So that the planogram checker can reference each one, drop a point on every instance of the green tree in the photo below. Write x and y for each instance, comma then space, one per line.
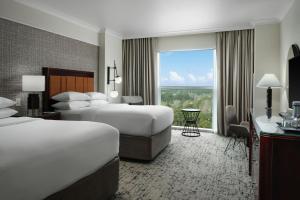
189, 97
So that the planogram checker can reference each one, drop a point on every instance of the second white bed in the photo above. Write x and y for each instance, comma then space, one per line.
129, 119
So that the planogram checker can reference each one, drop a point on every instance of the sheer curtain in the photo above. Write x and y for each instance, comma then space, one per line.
139, 69
235, 68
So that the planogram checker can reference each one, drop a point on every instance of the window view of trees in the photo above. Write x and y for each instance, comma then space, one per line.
186, 81
189, 97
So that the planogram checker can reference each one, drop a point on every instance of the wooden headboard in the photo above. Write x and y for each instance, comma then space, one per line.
64, 80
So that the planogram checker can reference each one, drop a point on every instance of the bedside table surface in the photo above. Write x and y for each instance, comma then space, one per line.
49, 115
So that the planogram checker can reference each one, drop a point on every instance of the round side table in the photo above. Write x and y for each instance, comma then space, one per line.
191, 117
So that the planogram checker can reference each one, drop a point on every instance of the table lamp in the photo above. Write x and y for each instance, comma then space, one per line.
269, 81
33, 84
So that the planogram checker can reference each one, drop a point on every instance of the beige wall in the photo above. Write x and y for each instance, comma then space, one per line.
110, 51
266, 60
290, 34
187, 42
29, 16
101, 71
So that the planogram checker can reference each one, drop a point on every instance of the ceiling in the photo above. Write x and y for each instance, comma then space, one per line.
145, 18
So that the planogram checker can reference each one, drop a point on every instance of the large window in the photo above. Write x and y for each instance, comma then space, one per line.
187, 81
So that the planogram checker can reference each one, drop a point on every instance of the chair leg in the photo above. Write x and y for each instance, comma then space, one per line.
243, 148
245, 145
235, 140
242, 143
226, 149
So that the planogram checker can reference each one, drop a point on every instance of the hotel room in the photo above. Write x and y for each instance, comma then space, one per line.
149, 99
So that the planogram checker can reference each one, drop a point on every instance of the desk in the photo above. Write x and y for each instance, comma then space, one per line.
274, 160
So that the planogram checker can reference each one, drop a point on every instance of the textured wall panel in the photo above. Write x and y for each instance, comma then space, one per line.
24, 50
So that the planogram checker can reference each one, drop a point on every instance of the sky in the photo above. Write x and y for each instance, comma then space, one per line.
187, 68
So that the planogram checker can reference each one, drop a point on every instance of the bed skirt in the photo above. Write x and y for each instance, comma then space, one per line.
102, 184
144, 148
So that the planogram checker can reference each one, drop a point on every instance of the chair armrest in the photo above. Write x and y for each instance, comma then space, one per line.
132, 100
246, 124
238, 130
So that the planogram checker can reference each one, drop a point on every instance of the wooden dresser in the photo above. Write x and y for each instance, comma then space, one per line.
274, 160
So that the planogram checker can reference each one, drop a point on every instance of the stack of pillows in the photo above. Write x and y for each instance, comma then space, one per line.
77, 100
5, 111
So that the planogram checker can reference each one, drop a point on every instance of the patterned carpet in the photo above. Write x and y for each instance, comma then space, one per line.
189, 168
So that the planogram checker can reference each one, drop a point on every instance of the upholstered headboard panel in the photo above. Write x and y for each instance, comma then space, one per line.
63, 80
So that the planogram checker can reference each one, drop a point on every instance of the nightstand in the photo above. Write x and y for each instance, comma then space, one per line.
49, 115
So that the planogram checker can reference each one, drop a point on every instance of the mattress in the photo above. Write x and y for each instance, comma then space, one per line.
40, 157
73, 115
132, 120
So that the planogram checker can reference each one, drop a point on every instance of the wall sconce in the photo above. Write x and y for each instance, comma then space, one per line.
117, 79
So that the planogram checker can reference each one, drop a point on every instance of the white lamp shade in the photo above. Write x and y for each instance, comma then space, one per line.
269, 80
33, 83
118, 79
114, 94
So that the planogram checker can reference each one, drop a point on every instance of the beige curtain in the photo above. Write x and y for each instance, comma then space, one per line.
138, 69
235, 59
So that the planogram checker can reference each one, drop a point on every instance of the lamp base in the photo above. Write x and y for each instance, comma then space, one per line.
269, 103
33, 113
33, 104
33, 101
269, 112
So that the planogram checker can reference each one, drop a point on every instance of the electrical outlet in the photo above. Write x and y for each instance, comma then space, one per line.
18, 101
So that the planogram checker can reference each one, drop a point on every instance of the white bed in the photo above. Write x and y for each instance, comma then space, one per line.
40, 157
129, 119
144, 130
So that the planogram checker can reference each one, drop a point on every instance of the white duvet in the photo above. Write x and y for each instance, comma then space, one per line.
40, 157
129, 119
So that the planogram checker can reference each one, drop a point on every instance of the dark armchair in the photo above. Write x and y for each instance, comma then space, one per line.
237, 131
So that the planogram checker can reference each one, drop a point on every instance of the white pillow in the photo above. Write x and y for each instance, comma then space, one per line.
97, 96
5, 103
71, 105
98, 102
71, 96
7, 112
